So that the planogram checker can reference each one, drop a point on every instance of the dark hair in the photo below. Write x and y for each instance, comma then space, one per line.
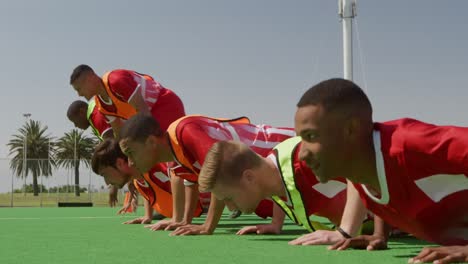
78, 71
75, 107
139, 127
337, 94
106, 154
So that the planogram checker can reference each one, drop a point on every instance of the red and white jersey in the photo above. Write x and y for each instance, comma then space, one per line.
191, 138
157, 175
99, 122
323, 199
196, 134
422, 171
156, 185
204, 197
124, 84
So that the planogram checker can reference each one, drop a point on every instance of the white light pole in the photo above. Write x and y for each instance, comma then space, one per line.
25, 152
347, 11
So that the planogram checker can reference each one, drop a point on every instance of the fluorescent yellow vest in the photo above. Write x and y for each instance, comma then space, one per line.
91, 106
284, 158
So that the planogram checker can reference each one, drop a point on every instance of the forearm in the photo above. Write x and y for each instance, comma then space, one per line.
178, 198
138, 102
116, 124
354, 212
278, 216
214, 214
381, 228
148, 210
191, 201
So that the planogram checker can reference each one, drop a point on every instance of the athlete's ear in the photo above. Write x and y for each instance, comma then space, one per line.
352, 127
83, 111
119, 163
248, 177
152, 141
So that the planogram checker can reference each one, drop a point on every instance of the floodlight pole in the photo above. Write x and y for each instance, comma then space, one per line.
347, 11
25, 153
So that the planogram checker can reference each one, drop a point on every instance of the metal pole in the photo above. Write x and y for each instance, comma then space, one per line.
89, 184
347, 11
25, 150
74, 164
40, 199
25, 153
11, 198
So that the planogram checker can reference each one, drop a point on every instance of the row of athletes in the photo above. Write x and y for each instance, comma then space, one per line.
406, 173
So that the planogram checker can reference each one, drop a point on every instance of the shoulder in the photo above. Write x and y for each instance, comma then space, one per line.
120, 76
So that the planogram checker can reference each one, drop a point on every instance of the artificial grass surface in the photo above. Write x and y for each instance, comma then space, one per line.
96, 235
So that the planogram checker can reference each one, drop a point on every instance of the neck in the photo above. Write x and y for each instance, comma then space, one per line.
135, 175
166, 154
273, 182
101, 90
364, 169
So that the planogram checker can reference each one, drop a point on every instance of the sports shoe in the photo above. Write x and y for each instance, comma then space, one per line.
235, 214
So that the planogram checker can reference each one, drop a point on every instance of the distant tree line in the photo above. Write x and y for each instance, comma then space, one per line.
35, 153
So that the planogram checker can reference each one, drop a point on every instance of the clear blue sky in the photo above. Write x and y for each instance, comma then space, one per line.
230, 58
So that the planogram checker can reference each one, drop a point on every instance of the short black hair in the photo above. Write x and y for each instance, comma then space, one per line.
337, 94
78, 71
75, 107
139, 127
106, 154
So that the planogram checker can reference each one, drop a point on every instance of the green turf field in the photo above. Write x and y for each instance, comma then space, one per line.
96, 235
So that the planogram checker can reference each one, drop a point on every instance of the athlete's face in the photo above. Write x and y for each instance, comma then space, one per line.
80, 120
141, 155
85, 85
244, 195
115, 175
322, 141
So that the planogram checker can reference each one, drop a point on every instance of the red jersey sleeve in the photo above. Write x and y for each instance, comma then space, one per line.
123, 84
196, 144
99, 122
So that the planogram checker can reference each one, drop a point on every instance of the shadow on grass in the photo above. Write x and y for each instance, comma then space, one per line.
270, 238
407, 256
288, 233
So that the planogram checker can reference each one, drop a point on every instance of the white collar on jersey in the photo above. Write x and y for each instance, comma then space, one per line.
272, 157
382, 177
104, 101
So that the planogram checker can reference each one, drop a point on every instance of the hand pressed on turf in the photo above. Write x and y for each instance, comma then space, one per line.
319, 237
442, 255
191, 230
139, 220
124, 209
260, 229
165, 225
361, 242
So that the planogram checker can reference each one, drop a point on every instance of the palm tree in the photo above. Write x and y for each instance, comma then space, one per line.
73, 148
32, 141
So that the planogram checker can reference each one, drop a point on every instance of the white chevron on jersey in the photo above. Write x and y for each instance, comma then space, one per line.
196, 165
439, 186
218, 134
232, 130
149, 90
161, 176
142, 183
269, 130
330, 189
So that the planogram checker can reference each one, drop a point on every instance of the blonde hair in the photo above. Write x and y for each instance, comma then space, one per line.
225, 162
